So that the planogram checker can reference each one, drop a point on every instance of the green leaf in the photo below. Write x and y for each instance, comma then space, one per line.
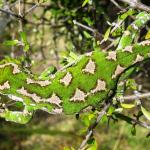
133, 131
23, 37
120, 23
73, 55
145, 112
24, 40
126, 14
92, 144
85, 2
87, 35
11, 42
91, 116
88, 21
46, 73
107, 33
118, 31
41, 1
131, 84
118, 110
88, 118
110, 110
26, 48
147, 35
19, 104
104, 119
127, 106
123, 117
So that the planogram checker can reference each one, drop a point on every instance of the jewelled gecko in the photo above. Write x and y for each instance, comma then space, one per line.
90, 80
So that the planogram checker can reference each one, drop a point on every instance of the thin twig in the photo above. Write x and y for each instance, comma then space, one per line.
29, 21
136, 4
142, 124
116, 4
55, 50
42, 5
11, 5
84, 26
24, 7
42, 41
91, 128
11, 13
19, 8
133, 121
12, 54
109, 46
133, 97
19, 13
90, 29
31, 9
103, 112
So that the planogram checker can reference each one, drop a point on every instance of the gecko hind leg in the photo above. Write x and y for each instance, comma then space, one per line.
121, 88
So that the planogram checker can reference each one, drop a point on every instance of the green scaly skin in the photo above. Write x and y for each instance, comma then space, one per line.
89, 81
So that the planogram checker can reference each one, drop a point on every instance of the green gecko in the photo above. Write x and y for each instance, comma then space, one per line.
89, 81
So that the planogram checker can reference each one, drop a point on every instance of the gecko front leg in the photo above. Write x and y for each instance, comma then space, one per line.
21, 117
122, 84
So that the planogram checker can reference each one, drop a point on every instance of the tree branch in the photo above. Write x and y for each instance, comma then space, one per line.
32, 8
132, 121
92, 127
90, 29
117, 5
11, 13
84, 26
103, 112
136, 4
28, 21
133, 97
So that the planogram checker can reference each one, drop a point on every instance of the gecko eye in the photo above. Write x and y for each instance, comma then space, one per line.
77, 116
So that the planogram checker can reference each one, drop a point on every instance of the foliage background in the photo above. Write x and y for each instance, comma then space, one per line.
52, 35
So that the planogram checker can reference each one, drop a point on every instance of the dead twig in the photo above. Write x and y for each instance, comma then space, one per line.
91, 30
136, 4
92, 127
117, 5
132, 121
31, 9
11, 13
133, 97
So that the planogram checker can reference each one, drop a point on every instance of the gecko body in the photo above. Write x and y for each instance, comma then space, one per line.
91, 79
